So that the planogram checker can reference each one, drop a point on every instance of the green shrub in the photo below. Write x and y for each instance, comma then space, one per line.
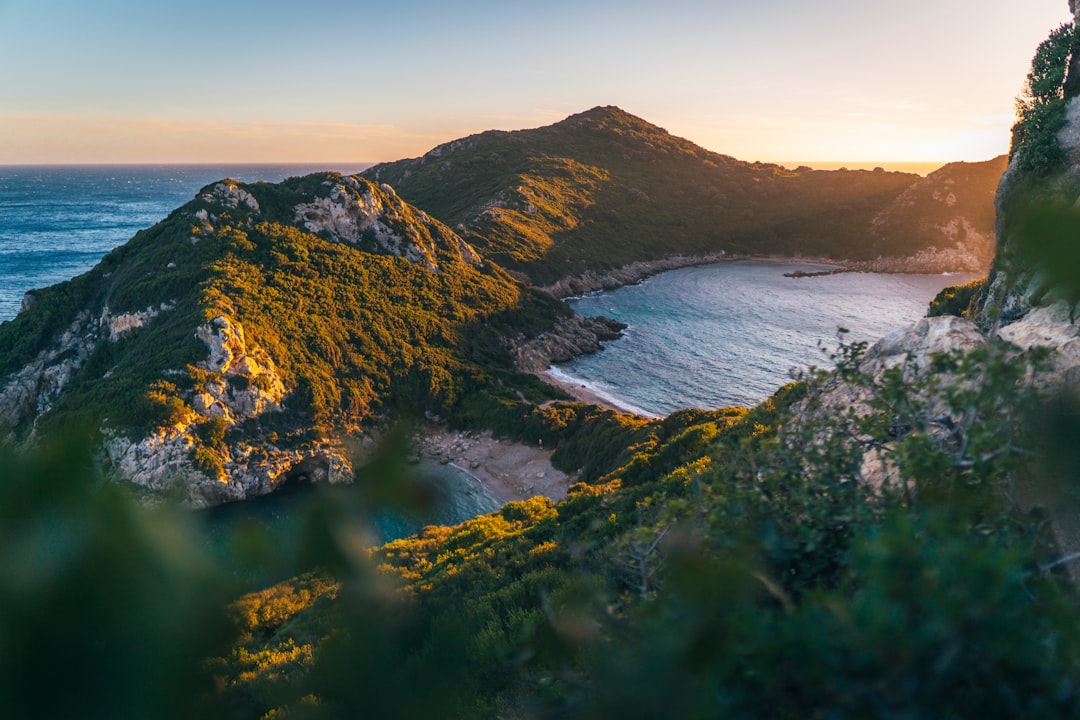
956, 299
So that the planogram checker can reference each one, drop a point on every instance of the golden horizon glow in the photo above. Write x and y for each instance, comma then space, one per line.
931, 81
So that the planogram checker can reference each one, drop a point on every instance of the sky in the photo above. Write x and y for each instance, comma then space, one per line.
126, 81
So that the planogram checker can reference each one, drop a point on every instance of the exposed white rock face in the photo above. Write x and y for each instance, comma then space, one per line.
230, 196
1051, 327
918, 342
161, 463
910, 348
244, 383
119, 325
962, 257
245, 386
32, 390
375, 219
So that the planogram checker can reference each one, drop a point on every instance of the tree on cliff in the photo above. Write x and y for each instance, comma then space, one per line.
1040, 109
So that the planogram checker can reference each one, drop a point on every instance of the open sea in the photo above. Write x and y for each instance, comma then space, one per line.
710, 336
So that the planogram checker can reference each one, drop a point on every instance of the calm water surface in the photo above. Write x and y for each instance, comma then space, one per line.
731, 333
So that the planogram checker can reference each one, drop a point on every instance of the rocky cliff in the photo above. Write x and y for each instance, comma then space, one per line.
1042, 181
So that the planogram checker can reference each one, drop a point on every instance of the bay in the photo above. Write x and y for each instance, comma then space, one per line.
731, 333
708, 336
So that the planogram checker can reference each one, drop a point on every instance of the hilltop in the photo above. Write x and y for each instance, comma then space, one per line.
603, 189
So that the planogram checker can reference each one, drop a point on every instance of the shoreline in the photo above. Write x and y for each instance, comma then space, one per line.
585, 394
574, 286
509, 471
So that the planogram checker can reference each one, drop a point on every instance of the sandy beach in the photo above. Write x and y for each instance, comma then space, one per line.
584, 394
509, 471
577, 391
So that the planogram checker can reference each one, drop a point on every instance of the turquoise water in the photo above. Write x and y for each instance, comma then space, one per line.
453, 496
732, 333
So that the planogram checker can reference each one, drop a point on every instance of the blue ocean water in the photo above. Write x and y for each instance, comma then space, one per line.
731, 333
56, 222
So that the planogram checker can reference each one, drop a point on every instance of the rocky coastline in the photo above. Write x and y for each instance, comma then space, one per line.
590, 281
572, 337
926, 262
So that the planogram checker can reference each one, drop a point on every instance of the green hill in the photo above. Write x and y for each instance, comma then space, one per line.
604, 188
237, 341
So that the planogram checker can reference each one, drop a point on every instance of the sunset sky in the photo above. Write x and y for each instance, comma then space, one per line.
269, 81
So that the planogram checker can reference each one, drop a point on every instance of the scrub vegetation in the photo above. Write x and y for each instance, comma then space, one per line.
1040, 109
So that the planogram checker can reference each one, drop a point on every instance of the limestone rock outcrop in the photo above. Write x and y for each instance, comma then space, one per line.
241, 383
374, 218
31, 390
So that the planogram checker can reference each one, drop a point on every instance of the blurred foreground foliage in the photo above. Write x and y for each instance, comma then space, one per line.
728, 563
106, 607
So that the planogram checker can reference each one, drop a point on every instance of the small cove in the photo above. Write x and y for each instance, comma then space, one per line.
278, 518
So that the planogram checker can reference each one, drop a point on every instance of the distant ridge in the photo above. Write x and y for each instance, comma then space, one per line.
918, 168
604, 188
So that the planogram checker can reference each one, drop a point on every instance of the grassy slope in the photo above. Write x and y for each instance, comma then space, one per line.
604, 188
